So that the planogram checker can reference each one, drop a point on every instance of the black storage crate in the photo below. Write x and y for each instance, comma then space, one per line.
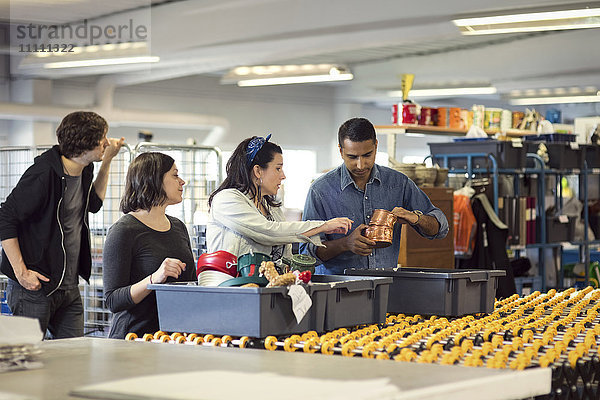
592, 155
354, 300
508, 154
561, 155
441, 292
236, 311
551, 137
558, 229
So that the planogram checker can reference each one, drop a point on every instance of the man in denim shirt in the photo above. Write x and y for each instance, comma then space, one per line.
354, 190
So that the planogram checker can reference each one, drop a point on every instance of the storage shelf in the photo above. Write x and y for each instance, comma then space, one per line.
555, 244
538, 171
534, 246
442, 131
528, 171
589, 242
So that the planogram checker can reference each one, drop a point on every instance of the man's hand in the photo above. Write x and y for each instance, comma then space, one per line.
30, 279
404, 216
427, 224
359, 244
114, 146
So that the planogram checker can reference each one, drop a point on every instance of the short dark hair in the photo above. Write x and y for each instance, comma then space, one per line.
80, 131
239, 173
357, 130
144, 182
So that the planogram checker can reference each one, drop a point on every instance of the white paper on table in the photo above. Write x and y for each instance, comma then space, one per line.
301, 301
226, 385
19, 331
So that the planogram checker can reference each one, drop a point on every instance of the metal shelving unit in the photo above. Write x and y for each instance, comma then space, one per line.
540, 171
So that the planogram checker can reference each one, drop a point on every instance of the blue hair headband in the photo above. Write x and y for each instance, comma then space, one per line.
254, 146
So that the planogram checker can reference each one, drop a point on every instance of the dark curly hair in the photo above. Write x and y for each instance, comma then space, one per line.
79, 132
144, 182
239, 173
357, 130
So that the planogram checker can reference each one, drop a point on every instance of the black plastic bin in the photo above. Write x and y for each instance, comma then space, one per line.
558, 229
508, 154
236, 311
354, 300
561, 155
441, 292
551, 137
592, 155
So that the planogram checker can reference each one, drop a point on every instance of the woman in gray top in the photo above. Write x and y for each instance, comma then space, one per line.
145, 245
245, 215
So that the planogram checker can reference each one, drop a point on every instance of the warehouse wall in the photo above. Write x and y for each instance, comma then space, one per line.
303, 117
299, 117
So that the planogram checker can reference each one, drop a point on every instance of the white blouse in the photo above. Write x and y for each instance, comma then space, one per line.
237, 226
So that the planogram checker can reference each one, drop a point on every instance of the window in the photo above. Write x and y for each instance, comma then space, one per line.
300, 167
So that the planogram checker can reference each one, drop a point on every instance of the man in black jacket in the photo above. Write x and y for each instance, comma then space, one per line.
44, 225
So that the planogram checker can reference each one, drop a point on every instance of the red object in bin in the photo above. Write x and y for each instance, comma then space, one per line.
304, 276
221, 261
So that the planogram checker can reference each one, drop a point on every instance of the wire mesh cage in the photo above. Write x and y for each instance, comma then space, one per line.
199, 166
4, 309
96, 316
14, 161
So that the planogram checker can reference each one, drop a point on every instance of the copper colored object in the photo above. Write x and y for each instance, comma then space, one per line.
382, 235
383, 218
381, 228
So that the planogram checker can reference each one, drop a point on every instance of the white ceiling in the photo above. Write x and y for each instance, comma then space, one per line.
378, 39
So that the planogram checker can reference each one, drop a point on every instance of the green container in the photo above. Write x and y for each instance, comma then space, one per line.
249, 263
243, 280
301, 262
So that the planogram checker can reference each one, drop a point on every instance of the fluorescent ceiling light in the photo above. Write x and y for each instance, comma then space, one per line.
530, 22
100, 62
263, 75
555, 100
445, 92
89, 56
295, 79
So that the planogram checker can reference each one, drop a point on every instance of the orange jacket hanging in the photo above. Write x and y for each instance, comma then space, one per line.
465, 225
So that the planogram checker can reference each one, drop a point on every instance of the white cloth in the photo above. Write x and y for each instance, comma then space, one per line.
237, 226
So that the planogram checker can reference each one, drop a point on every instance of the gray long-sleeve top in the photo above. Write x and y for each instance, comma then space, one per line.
133, 251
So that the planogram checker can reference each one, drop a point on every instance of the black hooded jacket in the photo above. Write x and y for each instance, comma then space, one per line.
31, 213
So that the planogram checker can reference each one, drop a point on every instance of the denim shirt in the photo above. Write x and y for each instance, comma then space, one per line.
335, 194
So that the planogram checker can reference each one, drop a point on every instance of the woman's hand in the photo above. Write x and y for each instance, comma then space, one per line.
337, 225
170, 267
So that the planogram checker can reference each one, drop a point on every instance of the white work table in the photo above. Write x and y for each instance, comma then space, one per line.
72, 363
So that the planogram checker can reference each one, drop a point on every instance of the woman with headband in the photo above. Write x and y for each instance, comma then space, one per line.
244, 214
